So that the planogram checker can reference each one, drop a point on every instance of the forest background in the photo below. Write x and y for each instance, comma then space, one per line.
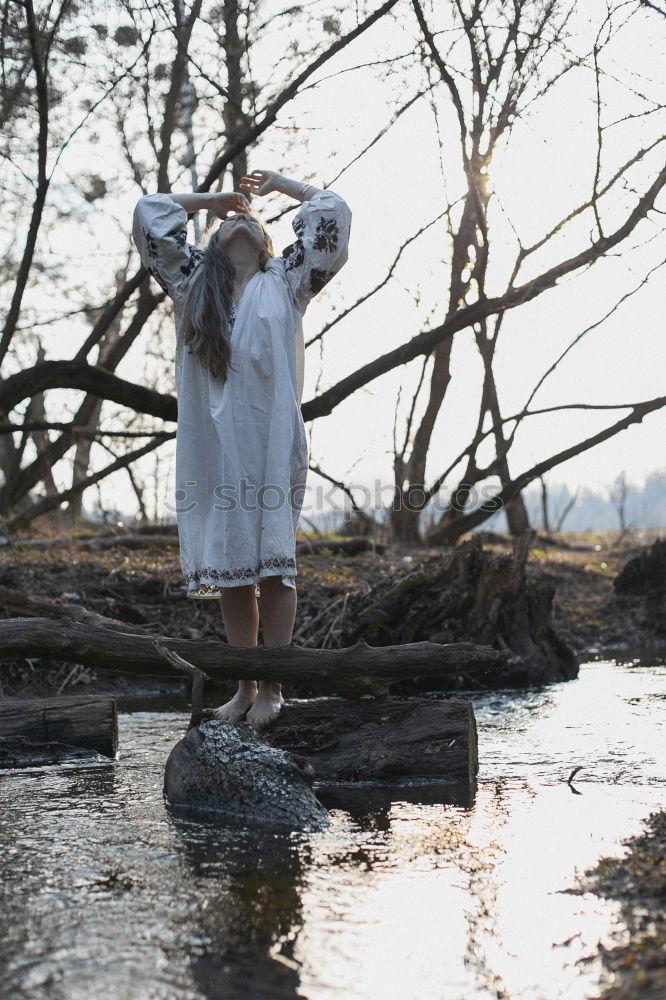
498, 329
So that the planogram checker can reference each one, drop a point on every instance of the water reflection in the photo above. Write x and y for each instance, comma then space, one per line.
424, 893
370, 805
249, 913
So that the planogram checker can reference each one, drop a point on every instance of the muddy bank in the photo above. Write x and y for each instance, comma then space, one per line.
145, 587
638, 880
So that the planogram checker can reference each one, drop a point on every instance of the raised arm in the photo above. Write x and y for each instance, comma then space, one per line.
217, 202
322, 227
160, 231
261, 182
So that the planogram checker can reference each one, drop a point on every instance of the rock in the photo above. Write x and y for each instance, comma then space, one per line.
227, 772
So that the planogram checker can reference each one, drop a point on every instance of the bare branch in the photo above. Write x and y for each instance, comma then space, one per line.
41, 507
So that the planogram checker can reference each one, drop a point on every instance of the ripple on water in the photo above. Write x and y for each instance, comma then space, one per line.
459, 895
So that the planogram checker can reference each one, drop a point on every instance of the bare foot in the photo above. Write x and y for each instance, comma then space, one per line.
235, 710
267, 705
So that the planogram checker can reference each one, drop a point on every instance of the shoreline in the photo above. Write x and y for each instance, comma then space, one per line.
144, 587
638, 882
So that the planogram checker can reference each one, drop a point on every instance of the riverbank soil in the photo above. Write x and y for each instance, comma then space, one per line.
143, 586
638, 881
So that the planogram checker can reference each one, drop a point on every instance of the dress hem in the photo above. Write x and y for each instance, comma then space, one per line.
210, 591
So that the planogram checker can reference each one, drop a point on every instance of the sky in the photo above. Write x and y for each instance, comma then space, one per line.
403, 183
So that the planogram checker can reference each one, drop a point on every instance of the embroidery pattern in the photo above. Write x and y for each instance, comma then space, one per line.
326, 235
298, 226
196, 256
206, 590
158, 278
179, 237
319, 278
151, 244
294, 255
240, 573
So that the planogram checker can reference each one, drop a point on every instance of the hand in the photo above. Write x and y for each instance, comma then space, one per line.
232, 201
260, 182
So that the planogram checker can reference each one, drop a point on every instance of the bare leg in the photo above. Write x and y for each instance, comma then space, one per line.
240, 614
277, 607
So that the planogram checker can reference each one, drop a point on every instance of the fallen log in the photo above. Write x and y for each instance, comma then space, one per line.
169, 538
345, 546
96, 543
387, 739
128, 542
88, 722
360, 669
228, 772
51, 607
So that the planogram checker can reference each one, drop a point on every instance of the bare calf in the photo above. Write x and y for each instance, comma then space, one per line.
242, 612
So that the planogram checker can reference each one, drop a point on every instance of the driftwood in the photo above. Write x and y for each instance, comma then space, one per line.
385, 739
199, 679
473, 594
357, 670
87, 722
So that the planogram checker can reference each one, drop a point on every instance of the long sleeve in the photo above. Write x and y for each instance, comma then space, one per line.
322, 226
159, 231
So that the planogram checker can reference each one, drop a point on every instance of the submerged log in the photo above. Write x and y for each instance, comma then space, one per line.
226, 772
385, 739
359, 669
89, 722
16, 752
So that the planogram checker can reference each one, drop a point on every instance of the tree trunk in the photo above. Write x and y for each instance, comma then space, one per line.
89, 722
236, 121
473, 594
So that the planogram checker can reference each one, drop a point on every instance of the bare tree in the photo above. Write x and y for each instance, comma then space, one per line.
509, 65
166, 94
618, 495
172, 73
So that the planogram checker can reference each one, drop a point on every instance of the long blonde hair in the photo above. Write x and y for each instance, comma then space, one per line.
209, 300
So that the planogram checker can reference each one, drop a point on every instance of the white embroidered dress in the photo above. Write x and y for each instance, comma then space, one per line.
241, 448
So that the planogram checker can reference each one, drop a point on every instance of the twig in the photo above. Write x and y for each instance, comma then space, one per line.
198, 679
316, 618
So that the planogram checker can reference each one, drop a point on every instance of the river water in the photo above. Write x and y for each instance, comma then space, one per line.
460, 896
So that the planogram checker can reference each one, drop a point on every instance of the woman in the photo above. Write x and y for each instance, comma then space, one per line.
241, 449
